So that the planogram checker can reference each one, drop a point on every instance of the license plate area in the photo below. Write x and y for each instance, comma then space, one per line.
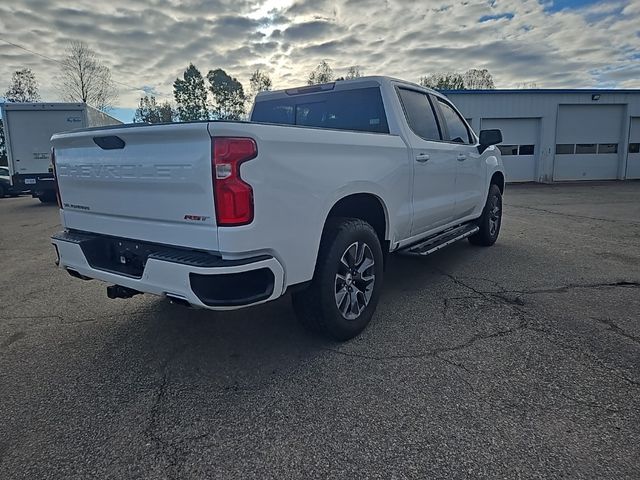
125, 257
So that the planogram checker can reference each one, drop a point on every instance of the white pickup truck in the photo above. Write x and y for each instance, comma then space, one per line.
310, 196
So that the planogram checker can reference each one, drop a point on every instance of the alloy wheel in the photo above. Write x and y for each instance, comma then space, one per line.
495, 216
355, 280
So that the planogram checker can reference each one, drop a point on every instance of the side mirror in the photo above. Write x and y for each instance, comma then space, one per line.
488, 138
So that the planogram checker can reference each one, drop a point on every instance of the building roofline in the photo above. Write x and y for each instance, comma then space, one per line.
546, 90
41, 105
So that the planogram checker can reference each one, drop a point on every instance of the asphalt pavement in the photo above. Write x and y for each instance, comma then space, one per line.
516, 361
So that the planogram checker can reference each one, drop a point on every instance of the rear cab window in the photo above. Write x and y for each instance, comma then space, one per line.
456, 127
419, 114
359, 109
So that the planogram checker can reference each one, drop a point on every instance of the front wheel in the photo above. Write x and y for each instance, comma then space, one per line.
345, 289
491, 219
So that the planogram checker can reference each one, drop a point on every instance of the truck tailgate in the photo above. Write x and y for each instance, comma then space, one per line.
149, 182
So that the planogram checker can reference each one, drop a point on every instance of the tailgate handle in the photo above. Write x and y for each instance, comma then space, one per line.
111, 142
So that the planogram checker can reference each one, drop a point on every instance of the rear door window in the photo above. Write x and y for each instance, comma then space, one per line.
458, 131
358, 109
419, 114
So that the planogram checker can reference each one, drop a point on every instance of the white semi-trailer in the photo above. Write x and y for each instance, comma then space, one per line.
28, 129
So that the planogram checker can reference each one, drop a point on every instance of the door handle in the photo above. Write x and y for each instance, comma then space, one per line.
461, 157
422, 157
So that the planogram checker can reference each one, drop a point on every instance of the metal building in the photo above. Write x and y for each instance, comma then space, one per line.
560, 135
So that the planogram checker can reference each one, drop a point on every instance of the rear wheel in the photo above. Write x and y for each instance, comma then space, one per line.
345, 289
491, 219
3, 191
47, 197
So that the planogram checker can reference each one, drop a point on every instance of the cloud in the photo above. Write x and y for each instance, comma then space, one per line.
148, 43
309, 30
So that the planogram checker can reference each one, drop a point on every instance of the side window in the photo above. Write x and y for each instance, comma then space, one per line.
458, 131
419, 114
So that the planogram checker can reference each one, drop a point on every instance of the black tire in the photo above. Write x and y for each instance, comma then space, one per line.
317, 306
48, 197
3, 191
490, 220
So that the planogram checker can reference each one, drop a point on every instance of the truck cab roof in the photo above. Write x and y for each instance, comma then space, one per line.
338, 85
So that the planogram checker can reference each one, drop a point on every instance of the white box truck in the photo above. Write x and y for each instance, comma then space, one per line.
28, 128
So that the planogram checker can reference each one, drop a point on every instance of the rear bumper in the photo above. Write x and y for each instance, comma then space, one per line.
203, 280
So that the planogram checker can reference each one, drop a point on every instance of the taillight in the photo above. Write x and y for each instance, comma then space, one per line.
55, 178
233, 196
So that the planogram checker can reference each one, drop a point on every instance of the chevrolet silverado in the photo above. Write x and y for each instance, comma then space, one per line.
309, 196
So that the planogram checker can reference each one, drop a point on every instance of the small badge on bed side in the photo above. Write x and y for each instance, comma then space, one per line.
195, 218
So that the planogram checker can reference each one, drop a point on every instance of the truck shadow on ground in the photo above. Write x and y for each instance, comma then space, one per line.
26, 203
185, 373
242, 347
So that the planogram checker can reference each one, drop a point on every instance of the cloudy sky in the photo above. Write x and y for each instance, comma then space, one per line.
148, 43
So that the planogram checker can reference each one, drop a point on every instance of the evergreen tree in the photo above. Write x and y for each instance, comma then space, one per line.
228, 95
149, 111
191, 95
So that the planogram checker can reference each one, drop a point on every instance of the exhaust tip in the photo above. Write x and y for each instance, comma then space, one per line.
75, 274
179, 301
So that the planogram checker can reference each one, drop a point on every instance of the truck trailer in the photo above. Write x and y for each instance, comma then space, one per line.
28, 128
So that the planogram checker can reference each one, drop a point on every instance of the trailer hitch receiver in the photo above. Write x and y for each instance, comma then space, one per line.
118, 291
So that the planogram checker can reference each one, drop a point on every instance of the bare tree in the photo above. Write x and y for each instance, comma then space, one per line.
353, 72
475, 79
258, 82
84, 78
23, 87
443, 81
527, 85
323, 73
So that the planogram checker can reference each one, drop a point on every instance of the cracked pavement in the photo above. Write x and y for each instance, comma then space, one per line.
517, 361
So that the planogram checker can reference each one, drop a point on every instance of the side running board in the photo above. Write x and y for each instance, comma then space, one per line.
441, 240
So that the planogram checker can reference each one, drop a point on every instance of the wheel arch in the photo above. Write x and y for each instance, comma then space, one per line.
365, 206
498, 179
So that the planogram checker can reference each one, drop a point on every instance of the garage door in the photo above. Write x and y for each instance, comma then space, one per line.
633, 160
588, 142
520, 140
